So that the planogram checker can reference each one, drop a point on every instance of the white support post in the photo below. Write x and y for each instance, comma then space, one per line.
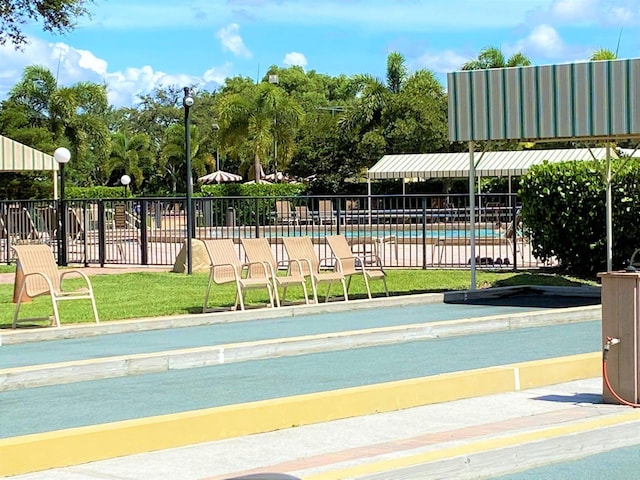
472, 213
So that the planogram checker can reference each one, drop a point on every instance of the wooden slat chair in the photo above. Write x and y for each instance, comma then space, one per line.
258, 250
350, 264
305, 260
226, 267
41, 276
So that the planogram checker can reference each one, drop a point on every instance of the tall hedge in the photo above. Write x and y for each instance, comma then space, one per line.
563, 213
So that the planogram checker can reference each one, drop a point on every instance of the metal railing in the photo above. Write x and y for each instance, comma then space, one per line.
407, 231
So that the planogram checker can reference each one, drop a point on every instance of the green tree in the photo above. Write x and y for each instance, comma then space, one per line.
407, 114
172, 156
73, 116
56, 16
492, 57
256, 120
130, 154
603, 54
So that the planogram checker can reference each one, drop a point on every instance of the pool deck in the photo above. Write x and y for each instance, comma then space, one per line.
485, 435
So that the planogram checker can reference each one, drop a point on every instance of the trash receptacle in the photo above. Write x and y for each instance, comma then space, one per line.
231, 217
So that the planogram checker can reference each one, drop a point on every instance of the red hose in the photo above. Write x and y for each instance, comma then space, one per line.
610, 388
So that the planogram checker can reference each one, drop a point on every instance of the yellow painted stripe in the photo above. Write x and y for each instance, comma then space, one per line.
74, 446
478, 447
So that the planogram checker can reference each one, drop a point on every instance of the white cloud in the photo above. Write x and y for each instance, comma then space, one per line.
574, 10
544, 41
295, 58
71, 65
232, 41
441, 62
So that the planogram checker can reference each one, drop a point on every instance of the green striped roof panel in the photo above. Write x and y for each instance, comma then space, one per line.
575, 100
15, 156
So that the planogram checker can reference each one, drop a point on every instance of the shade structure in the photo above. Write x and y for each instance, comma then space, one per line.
262, 180
279, 177
220, 177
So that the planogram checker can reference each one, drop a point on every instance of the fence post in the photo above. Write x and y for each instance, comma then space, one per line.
143, 233
257, 214
102, 234
424, 233
514, 233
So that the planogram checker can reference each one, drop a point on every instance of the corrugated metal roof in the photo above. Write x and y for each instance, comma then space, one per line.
573, 100
15, 156
491, 164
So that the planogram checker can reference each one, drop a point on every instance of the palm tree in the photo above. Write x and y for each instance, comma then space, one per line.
602, 54
256, 120
130, 154
492, 57
74, 115
172, 155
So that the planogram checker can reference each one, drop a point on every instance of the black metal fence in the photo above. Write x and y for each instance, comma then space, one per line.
408, 231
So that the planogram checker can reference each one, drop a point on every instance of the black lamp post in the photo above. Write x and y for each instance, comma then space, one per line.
187, 103
62, 156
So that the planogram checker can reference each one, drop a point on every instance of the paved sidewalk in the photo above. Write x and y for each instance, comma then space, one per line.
473, 438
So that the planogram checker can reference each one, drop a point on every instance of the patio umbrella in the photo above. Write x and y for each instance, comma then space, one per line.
220, 177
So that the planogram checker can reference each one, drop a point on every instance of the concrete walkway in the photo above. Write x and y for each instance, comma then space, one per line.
479, 437
466, 439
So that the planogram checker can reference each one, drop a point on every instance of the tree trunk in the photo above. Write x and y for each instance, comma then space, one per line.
257, 168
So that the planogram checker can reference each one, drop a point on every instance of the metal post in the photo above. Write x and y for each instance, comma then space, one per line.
472, 213
62, 217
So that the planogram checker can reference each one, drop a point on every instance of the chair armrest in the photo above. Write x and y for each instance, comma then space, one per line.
47, 279
64, 273
236, 274
267, 272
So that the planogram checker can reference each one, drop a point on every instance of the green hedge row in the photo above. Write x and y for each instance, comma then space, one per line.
563, 213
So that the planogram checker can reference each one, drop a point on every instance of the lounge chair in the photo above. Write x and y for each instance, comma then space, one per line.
350, 264
41, 276
226, 267
305, 261
20, 226
325, 212
285, 215
258, 250
303, 215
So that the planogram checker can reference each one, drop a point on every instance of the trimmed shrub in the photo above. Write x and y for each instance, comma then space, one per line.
563, 211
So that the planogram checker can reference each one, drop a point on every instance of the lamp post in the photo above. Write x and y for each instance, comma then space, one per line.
216, 128
62, 156
125, 180
187, 103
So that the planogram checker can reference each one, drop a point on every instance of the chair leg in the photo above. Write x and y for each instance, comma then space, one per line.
344, 289
56, 315
206, 295
386, 290
18, 303
306, 294
366, 284
328, 292
240, 292
95, 309
270, 288
314, 288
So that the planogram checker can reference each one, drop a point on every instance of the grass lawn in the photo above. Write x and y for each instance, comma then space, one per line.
153, 294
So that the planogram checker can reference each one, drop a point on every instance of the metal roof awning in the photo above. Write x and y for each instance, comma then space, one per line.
16, 157
456, 165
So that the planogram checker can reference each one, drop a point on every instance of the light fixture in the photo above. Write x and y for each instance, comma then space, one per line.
125, 180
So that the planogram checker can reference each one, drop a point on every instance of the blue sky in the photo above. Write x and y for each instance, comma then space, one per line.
136, 45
